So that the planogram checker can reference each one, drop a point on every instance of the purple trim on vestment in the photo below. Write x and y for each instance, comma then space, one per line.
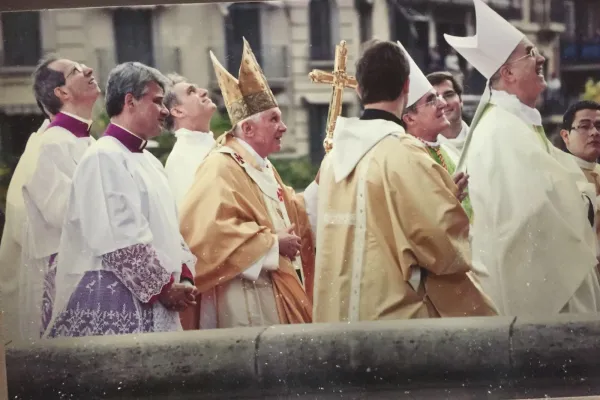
78, 128
131, 142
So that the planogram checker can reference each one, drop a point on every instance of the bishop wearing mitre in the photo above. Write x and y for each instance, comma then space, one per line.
250, 232
393, 236
532, 203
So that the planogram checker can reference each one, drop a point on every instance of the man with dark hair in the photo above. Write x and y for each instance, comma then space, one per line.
121, 234
392, 235
66, 92
191, 110
451, 90
580, 132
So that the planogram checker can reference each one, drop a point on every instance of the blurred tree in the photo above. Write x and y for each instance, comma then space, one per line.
591, 91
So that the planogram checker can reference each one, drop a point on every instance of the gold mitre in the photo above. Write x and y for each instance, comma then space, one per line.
248, 95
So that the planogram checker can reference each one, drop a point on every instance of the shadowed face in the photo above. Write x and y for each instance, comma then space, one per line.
583, 139
80, 84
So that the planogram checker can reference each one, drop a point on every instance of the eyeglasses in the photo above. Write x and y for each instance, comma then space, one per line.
587, 127
76, 68
432, 103
533, 53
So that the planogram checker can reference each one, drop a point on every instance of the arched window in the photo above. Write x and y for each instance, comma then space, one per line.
323, 21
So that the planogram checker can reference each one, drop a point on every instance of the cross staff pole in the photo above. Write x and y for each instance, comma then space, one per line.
339, 80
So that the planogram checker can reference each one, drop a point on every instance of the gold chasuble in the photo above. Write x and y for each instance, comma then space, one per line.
393, 238
230, 218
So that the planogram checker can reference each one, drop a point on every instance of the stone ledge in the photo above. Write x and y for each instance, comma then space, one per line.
471, 358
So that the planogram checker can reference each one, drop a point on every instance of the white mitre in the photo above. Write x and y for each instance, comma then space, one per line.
418, 84
493, 43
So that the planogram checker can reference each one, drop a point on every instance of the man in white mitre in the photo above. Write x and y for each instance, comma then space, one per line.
67, 91
191, 110
250, 233
531, 201
122, 263
451, 90
393, 237
580, 132
424, 118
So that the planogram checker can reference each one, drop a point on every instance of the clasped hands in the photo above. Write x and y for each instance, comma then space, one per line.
179, 296
289, 243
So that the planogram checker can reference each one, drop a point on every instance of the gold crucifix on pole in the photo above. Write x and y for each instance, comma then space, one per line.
339, 80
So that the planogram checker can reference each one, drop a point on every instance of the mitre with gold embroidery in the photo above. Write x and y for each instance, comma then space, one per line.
250, 93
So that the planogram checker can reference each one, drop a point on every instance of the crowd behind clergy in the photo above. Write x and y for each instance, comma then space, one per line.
413, 213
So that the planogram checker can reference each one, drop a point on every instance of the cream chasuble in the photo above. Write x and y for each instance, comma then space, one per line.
229, 219
531, 229
393, 238
12, 235
188, 152
591, 170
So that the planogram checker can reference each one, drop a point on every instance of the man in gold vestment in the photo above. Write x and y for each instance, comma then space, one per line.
392, 235
250, 233
581, 135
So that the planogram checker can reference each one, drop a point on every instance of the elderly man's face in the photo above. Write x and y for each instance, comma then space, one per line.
527, 66
149, 112
265, 134
429, 118
80, 84
583, 139
194, 102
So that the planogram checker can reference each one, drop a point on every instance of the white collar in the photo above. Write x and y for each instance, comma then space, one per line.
262, 162
511, 103
585, 164
184, 132
85, 121
128, 131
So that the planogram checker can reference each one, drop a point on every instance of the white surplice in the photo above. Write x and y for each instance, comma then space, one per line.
12, 235
118, 199
187, 154
531, 227
455, 146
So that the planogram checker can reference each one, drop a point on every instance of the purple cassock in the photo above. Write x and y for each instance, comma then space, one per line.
119, 293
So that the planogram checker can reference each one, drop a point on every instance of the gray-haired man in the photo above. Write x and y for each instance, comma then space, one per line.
122, 261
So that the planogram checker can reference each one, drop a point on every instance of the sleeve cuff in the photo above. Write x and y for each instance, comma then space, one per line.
271, 261
186, 274
163, 291
253, 272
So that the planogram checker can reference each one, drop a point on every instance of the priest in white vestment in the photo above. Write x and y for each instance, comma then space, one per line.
122, 264
580, 132
67, 91
191, 110
531, 201
250, 232
392, 235
451, 90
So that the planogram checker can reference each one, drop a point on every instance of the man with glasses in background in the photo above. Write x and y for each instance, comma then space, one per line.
453, 137
531, 201
581, 135
66, 91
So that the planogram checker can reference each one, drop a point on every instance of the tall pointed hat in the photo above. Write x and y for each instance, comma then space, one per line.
418, 84
250, 93
494, 41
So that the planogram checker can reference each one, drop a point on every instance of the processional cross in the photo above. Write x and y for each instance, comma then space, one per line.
339, 80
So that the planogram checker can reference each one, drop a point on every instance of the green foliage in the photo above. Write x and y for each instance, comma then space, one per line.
297, 173
591, 91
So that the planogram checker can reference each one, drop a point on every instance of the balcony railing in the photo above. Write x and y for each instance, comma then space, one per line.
274, 61
577, 52
167, 60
